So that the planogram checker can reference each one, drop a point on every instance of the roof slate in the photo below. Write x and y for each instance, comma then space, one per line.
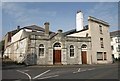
115, 33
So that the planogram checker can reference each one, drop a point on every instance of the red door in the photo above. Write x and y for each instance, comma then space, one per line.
84, 57
57, 57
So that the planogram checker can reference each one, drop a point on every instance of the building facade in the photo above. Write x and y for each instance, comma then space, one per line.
115, 43
88, 44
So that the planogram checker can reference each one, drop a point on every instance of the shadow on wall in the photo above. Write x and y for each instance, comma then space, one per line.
31, 59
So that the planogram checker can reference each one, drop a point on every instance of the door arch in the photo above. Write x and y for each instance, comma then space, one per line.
57, 53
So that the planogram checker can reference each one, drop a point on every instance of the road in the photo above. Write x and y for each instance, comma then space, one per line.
36, 73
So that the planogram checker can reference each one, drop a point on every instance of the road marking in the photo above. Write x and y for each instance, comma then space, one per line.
25, 74
48, 77
25, 70
79, 69
41, 74
91, 69
76, 72
83, 70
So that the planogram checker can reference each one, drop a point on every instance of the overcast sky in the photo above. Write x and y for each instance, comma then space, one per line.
60, 15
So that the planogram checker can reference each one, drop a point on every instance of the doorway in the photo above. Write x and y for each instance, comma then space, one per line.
84, 57
57, 53
84, 54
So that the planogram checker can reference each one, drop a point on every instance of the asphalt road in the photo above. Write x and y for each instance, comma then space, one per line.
34, 73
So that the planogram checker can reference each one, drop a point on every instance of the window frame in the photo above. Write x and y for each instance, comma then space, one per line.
101, 43
100, 59
112, 47
41, 50
72, 51
105, 56
100, 29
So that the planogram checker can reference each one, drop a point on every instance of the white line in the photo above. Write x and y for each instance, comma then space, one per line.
41, 74
83, 70
25, 74
79, 70
26, 70
48, 77
76, 72
91, 69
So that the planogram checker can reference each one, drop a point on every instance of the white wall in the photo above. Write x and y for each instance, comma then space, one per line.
80, 34
17, 36
79, 21
115, 45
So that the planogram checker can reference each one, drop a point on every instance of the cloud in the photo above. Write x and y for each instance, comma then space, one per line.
24, 15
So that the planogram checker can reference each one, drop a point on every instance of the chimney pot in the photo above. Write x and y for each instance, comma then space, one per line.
18, 27
79, 11
46, 23
60, 31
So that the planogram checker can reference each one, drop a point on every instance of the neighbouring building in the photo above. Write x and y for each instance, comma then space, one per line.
88, 44
115, 43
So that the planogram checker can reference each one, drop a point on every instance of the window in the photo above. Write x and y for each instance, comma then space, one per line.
118, 48
105, 56
71, 51
100, 28
101, 42
99, 56
57, 45
84, 46
117, 40
41, 50
112, 47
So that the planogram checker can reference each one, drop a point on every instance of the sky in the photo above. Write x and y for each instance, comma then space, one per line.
61, 15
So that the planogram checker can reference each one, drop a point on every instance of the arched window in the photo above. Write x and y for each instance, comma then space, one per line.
84, 46
71, 51
41, 50
57, 45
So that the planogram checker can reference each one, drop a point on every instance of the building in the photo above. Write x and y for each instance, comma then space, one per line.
115, 43
88, 44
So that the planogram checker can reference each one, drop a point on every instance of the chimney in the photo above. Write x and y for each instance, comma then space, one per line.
18, 27
47, 28
79, 21
59, 31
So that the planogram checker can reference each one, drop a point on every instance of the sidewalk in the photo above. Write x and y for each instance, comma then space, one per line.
73, 65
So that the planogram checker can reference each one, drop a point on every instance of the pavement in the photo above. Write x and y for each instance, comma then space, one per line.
40, 72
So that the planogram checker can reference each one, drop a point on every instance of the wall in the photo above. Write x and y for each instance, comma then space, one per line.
115, 45
80, 34
17, 36
95, 40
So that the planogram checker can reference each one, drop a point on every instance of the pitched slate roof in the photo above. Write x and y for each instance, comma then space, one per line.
115, 33
37, 28
34, 27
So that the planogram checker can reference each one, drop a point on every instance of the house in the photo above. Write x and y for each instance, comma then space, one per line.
88, 44
115, 43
